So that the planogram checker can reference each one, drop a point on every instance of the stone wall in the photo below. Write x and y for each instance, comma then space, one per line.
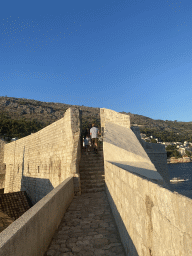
158, 157
108, 115
156, 153
32, 233
41, 161
151, 219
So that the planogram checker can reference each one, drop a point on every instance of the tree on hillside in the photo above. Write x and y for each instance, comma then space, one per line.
170, 147
188, 153
175, 154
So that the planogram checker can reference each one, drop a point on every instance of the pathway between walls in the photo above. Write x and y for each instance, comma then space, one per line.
88, 226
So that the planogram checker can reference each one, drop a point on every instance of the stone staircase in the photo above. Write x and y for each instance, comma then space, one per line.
92, 171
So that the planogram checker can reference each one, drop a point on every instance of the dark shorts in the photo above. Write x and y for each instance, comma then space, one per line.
94, 140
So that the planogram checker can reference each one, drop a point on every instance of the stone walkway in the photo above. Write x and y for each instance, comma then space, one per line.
88, 228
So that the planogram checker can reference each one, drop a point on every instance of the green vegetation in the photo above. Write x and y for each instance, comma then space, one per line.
170, 147
188, 153
18, 128
173, 153
20, 117
165, 136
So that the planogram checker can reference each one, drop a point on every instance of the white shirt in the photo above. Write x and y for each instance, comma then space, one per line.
94, 132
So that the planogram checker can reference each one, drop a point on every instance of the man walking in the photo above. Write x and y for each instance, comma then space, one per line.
94, 132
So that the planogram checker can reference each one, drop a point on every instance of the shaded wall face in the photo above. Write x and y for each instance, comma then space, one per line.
41, 161
158, 157
160, 162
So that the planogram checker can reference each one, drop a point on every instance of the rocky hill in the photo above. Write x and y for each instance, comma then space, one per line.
19, 117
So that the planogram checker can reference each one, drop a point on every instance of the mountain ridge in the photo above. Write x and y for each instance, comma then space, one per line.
44, 113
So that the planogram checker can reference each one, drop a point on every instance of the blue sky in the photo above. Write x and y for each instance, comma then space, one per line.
126, 55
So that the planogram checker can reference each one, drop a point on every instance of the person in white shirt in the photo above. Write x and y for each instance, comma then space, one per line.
94, 132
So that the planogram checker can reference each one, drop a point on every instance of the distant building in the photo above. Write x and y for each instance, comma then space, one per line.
182, 151
167, 143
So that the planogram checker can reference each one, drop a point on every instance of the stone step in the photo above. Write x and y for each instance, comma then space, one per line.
91, 168
91, 164
90, 186
88, 176
92, 172
91, 151
96, 164
93, 190
91, 158
86, 183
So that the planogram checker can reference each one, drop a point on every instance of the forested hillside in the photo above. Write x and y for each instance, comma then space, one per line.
21, 117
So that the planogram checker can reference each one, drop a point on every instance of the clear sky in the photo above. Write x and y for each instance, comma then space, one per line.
126, 55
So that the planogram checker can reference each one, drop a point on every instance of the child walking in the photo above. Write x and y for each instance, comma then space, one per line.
87, 142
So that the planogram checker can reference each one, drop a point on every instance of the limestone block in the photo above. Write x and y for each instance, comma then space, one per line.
156, 246
130, 180
165, 235
118, 182
136, 200
164, 202
182, 211
187, 240
124, 189
188, 213
178, 242
152, 187
142, 187
156, 220
134, 180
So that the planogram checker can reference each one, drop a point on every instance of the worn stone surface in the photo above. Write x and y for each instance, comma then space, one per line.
88, 228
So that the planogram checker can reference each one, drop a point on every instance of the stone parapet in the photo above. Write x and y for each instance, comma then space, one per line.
151, 219
32, 233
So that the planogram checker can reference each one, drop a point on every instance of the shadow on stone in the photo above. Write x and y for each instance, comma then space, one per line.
36, 188
126, 240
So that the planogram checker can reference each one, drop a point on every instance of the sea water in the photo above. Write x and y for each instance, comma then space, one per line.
183, 171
